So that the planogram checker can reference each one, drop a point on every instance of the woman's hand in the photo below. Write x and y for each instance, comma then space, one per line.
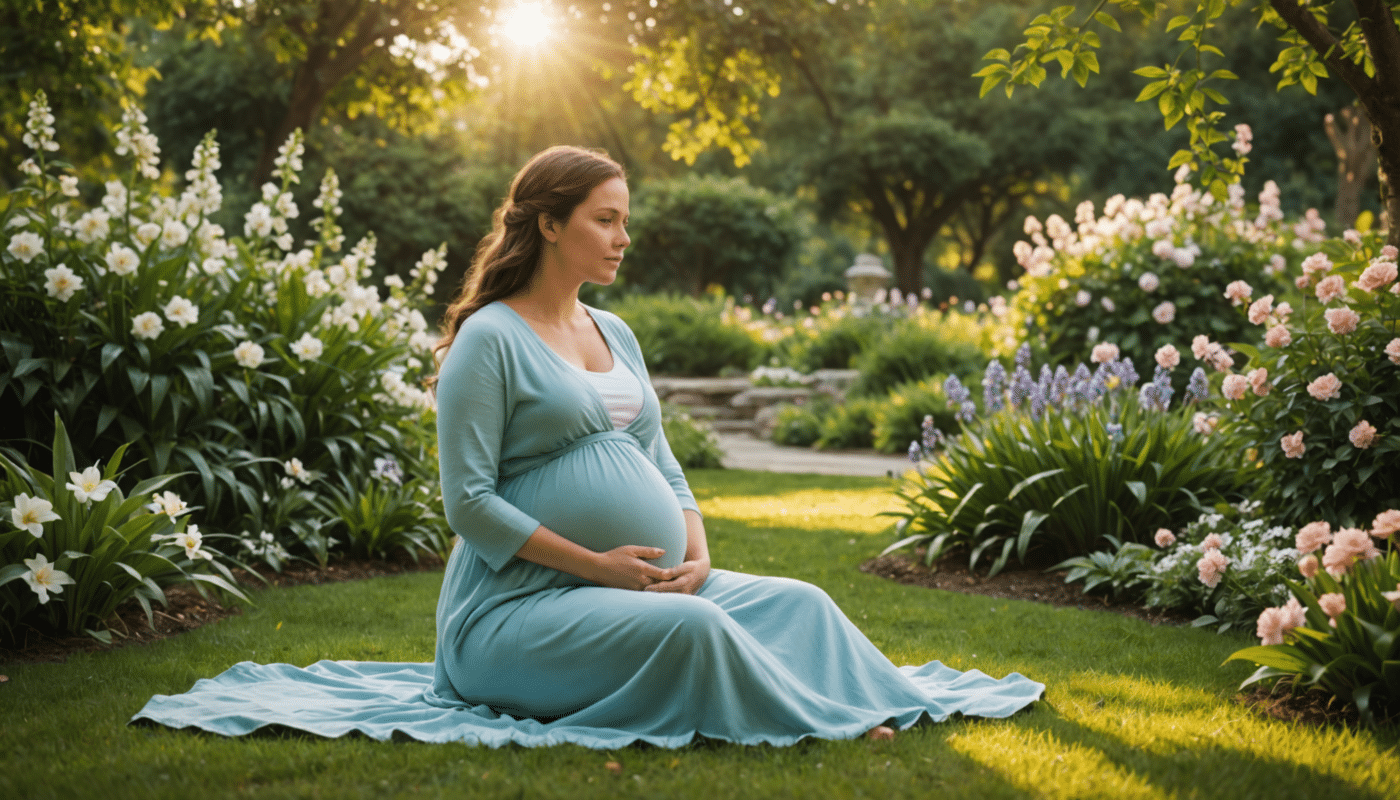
626, 568
687, 578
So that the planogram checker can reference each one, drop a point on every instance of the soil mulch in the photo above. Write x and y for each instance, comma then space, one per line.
187, 609
950, 573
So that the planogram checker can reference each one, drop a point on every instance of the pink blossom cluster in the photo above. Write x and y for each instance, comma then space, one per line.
1164, 312
1309, 230
1363, 435
1380, 272
1392, 350
1211, 567
1274, 623
1333, 604
1164, 538
1211, 353
1326, 387
1104, 353
1341, 321
1278, 336
1238, 292
1167, 356
1344, 548
1292, 444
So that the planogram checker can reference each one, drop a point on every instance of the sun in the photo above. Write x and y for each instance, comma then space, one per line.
526, 24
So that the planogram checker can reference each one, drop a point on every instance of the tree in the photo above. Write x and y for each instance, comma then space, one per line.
1359, 42
696, 232
866, 102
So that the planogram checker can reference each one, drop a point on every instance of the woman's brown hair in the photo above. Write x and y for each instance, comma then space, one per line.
552, 183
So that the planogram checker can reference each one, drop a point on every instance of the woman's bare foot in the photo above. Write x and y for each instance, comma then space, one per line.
880, 732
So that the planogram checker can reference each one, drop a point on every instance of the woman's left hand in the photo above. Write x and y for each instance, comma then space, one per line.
689, 576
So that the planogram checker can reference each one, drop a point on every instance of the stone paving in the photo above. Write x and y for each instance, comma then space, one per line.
742, 451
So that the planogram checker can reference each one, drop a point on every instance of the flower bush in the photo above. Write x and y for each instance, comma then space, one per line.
1147, 274
1340, 630
81, 547
692, 441
1319, 400
218, 357
1054, 465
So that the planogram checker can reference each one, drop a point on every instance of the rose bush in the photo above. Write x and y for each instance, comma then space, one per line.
1146, 274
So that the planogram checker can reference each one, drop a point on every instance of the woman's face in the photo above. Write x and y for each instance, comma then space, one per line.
591, 242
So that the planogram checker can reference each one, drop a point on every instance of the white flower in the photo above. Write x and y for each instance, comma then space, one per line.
30, 514
174, 234
182, 311
294, 469
26, 245
1082, 298
92, 226
1164, 312
122, 260
258, 220
167, 503
248, 354
146, 233
68, 185
146, 325
212, 266
88, 485
43, 578
308, 347
61, 283
1148, 282
1108, 304
190, 539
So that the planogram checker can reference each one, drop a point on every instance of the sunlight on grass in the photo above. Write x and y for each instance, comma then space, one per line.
852, 511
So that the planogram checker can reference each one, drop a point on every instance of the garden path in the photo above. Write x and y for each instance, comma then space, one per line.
743, 451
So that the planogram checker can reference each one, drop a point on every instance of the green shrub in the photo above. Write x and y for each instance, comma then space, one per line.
84, 547
384, 513
849, 425
219, 358
692, 442
800, 426
835, 340
900, 418
1065, 464
687, 336
920, 346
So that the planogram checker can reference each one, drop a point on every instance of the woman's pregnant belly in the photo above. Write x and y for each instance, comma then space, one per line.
602, 496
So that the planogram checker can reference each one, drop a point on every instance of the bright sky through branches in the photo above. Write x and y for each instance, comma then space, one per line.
526, 24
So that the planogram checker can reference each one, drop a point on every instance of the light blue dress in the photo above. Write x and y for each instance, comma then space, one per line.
532, 656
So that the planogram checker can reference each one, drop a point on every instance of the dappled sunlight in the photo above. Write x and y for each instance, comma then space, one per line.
1044, 764
852, 511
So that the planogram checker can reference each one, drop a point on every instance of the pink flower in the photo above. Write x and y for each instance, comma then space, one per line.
1317, 262
1234, 387
1104, 353
1270, 626
1282, 311
1200, 346
1375, 276
1332, 604
1260, 309
1212, 542
1391, 252
1393, 597
1167, 356
1312, 536
1292, 444
1238, 292
1301, 281
1211, 567
1164, 312
1386, 523
1278, 336
1330, 288
1341, 321
1307, 565
1392, 350
1165, 538
1205, 424
1294, 614
1348, 546
1259, 381
1362, 435
1327, 387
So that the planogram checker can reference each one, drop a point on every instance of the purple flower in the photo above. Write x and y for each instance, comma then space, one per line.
955, 391
1023, 356
916, 453
993, 386
1021, 385
1126, 372
1059, 385
1198, 388
967, 412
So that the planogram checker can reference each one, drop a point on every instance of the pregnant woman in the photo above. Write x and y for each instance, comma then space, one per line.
579, 604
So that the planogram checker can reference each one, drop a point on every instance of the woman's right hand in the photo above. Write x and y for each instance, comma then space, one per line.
626, 568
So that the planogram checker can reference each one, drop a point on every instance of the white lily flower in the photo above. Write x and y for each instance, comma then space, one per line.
308, 347
167, 503
30, 514
248, 354
26, 245
43, 578
294, 469
122, 260
146, 233
88, 485
182, 311
191, 539
147, 325
62, 283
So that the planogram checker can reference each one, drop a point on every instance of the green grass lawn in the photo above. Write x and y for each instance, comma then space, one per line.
1131, 710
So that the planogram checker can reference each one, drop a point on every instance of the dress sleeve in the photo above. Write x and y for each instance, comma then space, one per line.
657, 447
473, 402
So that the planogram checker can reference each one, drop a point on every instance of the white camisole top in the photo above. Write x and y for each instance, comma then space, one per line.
621, 392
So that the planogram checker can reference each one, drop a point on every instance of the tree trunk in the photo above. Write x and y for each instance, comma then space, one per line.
1356, 159
308, 95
